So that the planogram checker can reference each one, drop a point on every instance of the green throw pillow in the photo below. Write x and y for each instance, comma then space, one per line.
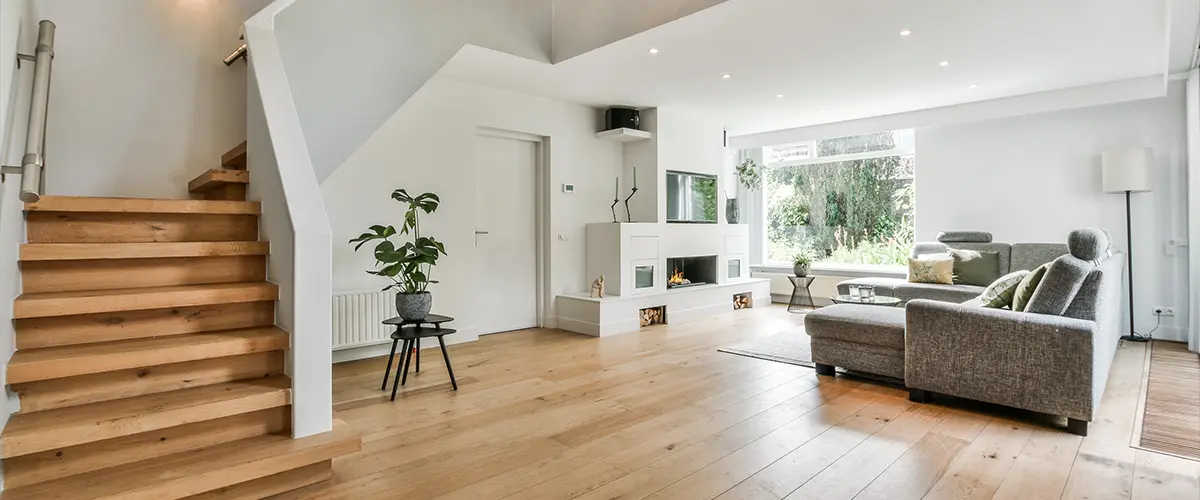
1001, 292
1025, 289
975, 268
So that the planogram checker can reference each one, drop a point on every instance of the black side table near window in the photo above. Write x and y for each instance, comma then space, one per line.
410, 332
799, 283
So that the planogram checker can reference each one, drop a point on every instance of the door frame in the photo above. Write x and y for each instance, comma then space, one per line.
541, 210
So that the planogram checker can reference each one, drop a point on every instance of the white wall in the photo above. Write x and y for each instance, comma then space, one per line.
584, 25
139, 100
18, 32
427, 146
351, 65
1035, 178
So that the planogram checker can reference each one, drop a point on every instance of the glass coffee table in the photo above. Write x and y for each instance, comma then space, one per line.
878, 300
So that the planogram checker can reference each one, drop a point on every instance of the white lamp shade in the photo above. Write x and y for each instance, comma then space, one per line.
1127, 170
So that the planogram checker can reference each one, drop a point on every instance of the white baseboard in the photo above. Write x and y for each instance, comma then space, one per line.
382, 349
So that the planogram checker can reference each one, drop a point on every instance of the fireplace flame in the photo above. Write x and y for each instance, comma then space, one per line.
677, 278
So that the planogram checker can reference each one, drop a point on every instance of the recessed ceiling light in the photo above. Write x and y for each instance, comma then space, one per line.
726, 76
944, 64
972, 86
905, 32
779, 96
653, 51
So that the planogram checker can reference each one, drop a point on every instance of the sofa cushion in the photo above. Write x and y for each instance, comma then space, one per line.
943, 293
883, 286
964, 237
1088, 244
861, 324
934, 270
1030, 255
1063, 280
972, 267
1027, 286
1001, 292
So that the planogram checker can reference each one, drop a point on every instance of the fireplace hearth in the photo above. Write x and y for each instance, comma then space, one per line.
686, 272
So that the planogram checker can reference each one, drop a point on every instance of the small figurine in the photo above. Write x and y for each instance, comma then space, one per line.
598, 288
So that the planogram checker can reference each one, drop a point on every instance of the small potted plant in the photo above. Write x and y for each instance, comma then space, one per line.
408, 266
801, 264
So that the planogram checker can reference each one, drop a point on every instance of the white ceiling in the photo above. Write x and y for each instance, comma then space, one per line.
841, 60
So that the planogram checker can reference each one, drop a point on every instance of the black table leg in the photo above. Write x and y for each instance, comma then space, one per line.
388, 371
453, 383
396, 381
417, 343
408, 360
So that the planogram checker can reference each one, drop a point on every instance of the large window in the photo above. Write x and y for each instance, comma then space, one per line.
845, 200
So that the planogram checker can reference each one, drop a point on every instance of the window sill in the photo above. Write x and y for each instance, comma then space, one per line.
844, 270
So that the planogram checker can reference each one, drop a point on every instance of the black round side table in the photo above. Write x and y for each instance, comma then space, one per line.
796, 303
410, 332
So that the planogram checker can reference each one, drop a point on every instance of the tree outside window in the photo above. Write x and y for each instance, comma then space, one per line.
849, 203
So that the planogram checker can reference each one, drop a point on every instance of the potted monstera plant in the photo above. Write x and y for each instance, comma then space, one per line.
408, 265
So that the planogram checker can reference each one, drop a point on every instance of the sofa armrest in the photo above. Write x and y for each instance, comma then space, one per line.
1033, 361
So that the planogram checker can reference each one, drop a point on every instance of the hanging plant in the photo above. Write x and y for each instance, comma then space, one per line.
749, 175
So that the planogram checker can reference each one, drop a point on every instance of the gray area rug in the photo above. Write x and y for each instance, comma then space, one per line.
789, 347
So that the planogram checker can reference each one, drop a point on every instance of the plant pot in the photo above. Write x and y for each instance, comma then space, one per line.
801, 270
413, 306
732, 211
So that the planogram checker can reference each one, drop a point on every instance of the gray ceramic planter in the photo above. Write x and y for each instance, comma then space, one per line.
413, 306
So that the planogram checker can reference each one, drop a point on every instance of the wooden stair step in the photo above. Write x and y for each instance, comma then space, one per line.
33, 252
76, 425
216, 178
235, 158
32, 365
53, 331
51, 465
143, 205
196, 472
37, 305
86, 389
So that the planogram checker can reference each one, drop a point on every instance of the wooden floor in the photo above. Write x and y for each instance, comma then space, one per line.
658, 414
1172, 412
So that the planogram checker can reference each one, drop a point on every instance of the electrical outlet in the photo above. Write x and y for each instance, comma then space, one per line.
1164, 311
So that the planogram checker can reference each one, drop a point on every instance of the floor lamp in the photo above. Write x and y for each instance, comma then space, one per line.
1128, 171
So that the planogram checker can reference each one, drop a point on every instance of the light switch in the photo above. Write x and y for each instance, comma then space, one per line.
564, 237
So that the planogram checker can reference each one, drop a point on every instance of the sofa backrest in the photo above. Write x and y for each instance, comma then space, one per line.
1028, 256
1013, 257
1004, 249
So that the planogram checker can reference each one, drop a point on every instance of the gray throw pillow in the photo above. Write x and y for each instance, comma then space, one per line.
975, 268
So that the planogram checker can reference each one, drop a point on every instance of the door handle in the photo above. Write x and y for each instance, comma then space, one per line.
482, 232
477, 233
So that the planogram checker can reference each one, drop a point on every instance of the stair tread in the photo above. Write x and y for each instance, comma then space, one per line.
45, 304
46, 430
142, 205
31, 252
218, 177
28, 365
198, 471
236, 157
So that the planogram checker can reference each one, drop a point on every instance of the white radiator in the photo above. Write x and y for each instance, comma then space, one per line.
358, 316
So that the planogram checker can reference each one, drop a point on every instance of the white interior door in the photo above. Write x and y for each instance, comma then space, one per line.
505, 234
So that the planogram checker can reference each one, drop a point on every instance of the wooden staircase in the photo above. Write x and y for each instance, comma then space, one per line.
148, 363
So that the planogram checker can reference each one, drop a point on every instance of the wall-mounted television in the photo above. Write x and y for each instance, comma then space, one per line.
691, 197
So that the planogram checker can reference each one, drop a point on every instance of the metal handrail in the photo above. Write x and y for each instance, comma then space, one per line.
32, 182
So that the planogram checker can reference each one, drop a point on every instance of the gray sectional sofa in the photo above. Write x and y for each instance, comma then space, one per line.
1053, 359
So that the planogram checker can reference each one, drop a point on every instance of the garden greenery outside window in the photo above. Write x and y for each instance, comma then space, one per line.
844, 200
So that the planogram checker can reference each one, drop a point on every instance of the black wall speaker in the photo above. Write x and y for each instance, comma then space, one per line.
615, 118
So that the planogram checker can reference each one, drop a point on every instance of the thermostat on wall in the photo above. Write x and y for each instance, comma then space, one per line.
568, 188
